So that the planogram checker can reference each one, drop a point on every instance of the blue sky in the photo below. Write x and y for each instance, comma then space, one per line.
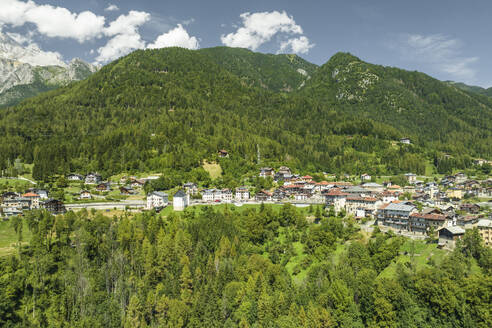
447, 39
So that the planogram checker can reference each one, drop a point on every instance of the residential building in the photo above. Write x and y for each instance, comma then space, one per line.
335, 197
157, 199
406, 141
454, 193
222, 153
92, 178
361, 206
396, 215
365, 177
104, 186
227, 195
54, 206
449, 235
181, 200
242, 194
263, 196
34, 199
373, 187
470, 208
485, 229
411, 178
266, 172
85, 194
191, 188
422, 222
75, 177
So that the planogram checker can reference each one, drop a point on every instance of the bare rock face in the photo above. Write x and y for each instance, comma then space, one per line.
27, 70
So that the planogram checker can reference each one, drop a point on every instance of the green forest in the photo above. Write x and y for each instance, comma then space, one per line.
234, 268
170, 109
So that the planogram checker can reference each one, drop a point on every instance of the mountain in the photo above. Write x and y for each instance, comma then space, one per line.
471, 88
281, 73
169, 109
26, 71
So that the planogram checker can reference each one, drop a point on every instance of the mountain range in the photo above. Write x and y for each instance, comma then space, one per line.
169, 109
26, 70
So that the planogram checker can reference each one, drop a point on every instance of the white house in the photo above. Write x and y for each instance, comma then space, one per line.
181, 200
406, 141
75, 177
92, 178
226, 195
411, 177
85, 194
157, 199
365, 177
242, 194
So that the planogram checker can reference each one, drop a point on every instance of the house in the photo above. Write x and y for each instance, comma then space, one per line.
335, 197
33, 198
361, 206
137, 183
157, 199
422, 222
266, 172
54, 206
365, 177
85, 194
411, 177
191, 188
279, 194
484, 227
227, 195
43, 193
460, 177
283, 174
92, 178
395, 215
373, 187
9, 195
126, 190
208, 195
389, 196
75, 177
222, 153
467, 221
406, 141
181, 200
263, 196
449, 235
454, 193
470, 208
104, 186
307, 178
301, 196
242, 194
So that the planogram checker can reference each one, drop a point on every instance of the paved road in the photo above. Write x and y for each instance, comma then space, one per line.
107, 206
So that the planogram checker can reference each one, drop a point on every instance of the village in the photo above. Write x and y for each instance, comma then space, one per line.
417, 209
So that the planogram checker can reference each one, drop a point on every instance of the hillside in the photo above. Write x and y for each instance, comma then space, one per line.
472, 88
26, 71
284, 73
170, 109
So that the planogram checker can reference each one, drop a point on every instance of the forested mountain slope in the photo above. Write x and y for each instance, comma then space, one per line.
171, 108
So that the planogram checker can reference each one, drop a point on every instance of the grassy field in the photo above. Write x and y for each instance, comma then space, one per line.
8, 238
422, 253
15, 184
213, 169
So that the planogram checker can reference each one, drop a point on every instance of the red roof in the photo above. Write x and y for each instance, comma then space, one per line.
433, 217
365, 199
322, 183
30, 194
335, 192
307, 177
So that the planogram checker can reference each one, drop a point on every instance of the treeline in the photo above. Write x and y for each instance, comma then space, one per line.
228, 269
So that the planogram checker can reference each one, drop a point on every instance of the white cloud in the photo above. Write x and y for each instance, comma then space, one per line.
442, 53
127, 24
126, 38
52, 21
299, 45
118, 46
112, 7
259, 28
177, 37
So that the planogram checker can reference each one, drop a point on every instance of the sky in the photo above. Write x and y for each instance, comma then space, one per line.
447, 39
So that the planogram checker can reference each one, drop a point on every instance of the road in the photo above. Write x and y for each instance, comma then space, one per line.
107, 206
